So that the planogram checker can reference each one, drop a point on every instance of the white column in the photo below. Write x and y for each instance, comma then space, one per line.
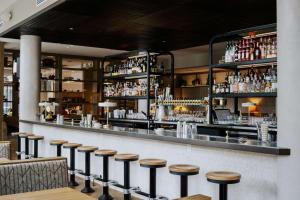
30, 51
288, 22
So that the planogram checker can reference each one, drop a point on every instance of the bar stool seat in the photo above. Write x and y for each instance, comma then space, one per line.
87, 148
196, 197
58, 142
183, 169
25, 136
105, 152
19, 145
126, 157
71, 145
35, 137
223, 178
153, 163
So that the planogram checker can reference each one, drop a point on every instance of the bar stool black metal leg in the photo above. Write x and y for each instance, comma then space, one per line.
127, 195
87, 183
105, 195
26, 148
72, 168
36, 148
183, 186
19, 148
152, 190
58, 150
223, 191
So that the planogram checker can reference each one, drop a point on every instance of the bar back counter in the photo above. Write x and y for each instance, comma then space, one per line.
255, 161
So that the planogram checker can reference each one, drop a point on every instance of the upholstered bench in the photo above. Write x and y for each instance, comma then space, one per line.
19, 176
5, 149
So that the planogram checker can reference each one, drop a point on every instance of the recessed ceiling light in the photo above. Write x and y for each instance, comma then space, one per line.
164, 41
71, 28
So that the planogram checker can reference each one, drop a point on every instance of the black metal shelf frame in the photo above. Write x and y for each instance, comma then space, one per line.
148, 75
235, 65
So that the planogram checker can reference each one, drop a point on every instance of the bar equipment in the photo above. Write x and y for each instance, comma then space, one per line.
248, 105
107, 105
49, 110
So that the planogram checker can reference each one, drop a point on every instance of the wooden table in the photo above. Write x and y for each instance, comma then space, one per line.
54, 194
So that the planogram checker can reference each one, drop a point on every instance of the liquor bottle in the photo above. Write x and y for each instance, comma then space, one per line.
257, 51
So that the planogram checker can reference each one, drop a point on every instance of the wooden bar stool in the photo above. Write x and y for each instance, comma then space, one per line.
87, 183
25, 136
19, 144
184, 171
195, 197
153, 164
126, 159
223, 178
35, 139
58, 144
105, 153
72, 147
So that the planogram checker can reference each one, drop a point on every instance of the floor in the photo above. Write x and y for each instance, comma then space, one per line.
98, 191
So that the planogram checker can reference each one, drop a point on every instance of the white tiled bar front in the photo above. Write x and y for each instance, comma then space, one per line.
259, 171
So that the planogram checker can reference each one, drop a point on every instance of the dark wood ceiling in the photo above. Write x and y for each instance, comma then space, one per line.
154, 24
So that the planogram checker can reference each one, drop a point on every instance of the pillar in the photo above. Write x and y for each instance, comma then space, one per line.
288, 106
30, 51
2, 133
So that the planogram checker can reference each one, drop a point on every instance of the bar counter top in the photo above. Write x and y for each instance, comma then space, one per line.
246, 145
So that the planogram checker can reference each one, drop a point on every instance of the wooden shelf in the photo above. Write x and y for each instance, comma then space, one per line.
133, 76
193, 86
78, 69
245, 63
245, 95
127, 97
80, 81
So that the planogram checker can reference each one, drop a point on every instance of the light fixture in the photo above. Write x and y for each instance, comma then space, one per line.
71, 28
107, 105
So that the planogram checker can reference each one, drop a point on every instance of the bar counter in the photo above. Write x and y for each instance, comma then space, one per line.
170, 136
256, 162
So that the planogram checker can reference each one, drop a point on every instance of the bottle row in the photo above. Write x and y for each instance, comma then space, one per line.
121, 89
251, 82
251, 49
133, 66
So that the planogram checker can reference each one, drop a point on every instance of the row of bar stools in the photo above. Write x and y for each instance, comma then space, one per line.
72, 147
35, 139
152, 164
184, 171
87, 182
105, 153
58, 144
223, 179
126, 159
